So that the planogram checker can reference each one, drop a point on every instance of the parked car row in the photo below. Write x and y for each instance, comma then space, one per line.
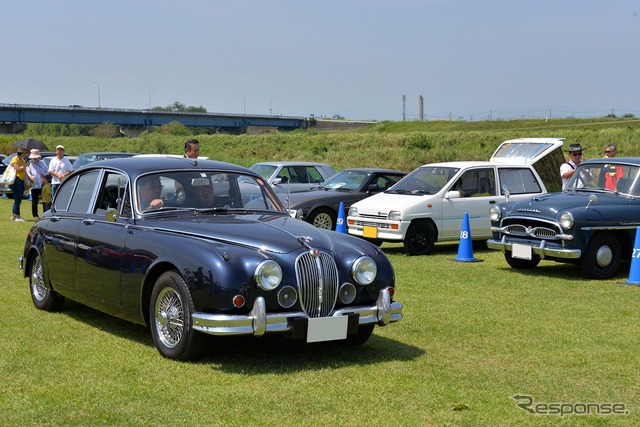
247, 265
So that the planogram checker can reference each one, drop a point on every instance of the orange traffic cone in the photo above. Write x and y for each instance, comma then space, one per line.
465, 249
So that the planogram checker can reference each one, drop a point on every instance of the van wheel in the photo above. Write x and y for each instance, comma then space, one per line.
420, 239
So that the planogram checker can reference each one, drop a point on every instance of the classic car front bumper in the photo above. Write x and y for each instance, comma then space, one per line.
258, 321
542, 250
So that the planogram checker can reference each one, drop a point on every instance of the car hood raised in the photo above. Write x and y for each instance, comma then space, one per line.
273, 233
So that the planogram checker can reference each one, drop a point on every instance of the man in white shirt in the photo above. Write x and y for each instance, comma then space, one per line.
59, 168
568, 169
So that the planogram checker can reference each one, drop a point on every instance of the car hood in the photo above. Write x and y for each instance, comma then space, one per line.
273, 233
316, 194
382, 203
553, 204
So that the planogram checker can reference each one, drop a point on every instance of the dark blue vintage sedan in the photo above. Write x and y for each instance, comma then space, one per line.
179, 245
592, 223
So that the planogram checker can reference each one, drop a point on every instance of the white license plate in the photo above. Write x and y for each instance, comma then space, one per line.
521, 251
327, 328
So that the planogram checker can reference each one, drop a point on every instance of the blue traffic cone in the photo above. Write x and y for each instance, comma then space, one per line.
341, 223
465, 249
634, 272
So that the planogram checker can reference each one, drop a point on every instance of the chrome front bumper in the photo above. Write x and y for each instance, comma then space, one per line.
258, 321
542, 250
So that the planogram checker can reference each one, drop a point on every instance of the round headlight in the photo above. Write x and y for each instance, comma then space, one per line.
268, 275
566, 220
353, 211
394, 216
364, 270
494, 213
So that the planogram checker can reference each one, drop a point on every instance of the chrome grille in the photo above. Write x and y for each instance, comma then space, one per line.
317, 283
537, 232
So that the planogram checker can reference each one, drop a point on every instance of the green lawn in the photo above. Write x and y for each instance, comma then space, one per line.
473, 336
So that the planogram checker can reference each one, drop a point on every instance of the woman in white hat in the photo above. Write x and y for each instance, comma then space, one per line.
36, 172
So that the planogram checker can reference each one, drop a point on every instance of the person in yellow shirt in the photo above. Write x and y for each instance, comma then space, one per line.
18, 163
45, 195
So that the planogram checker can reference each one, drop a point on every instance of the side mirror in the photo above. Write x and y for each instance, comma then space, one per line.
453, 195
374, 188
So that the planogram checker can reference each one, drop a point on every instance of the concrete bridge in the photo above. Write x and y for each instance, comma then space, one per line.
14, 116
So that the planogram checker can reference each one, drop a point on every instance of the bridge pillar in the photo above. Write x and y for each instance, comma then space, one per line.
9, 128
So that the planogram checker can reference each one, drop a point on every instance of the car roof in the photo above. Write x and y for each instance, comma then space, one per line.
471, 163
373, 170
141, 165
292, 163
615, 160
106, 153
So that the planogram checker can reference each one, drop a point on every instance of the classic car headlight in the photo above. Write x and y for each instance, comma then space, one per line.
353, 211
494, 213
364, 270
268, 275
394, 216
566, 220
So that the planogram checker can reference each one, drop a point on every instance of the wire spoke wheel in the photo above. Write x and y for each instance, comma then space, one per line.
38, 289
169, 318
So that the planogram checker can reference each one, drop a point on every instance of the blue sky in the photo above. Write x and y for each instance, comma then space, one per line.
468, 59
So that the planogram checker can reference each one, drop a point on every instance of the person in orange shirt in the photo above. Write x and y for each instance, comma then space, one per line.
613, 173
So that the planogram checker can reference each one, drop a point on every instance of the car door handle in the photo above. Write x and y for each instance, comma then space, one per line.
88, 221
491, 202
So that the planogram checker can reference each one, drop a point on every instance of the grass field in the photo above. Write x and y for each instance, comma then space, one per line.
474, 335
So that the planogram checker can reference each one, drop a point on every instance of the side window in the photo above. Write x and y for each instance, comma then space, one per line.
314, 175
385, 182
81, 199
518, 181
476, 183
63, 196
112, 192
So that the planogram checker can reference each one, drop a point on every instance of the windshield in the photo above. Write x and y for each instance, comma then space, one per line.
347, 180
204, 190
424, 180
606, 176
264, 171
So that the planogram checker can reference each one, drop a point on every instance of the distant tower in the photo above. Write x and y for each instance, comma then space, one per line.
421, 108
404, 107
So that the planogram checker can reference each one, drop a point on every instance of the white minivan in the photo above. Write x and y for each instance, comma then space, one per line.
428, 205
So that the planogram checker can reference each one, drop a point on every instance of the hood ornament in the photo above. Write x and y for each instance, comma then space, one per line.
305, 241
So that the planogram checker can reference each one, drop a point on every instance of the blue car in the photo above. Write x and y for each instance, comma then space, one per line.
592, 223
175, 244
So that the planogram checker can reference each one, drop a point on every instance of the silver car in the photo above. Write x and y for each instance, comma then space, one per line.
292, 177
